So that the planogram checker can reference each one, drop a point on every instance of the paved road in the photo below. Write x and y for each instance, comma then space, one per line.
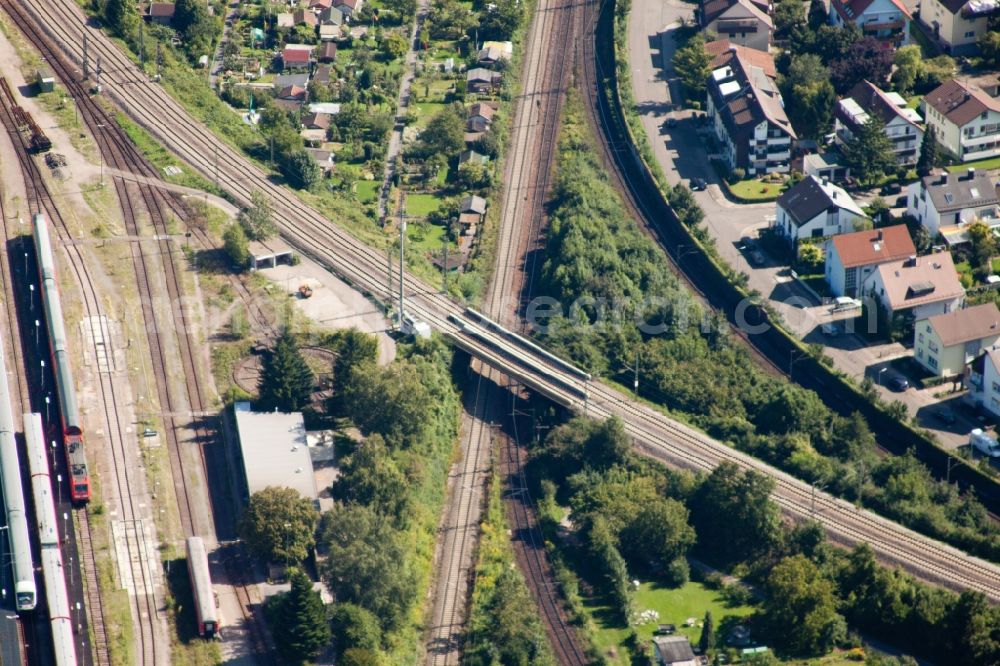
681, 153
402, 104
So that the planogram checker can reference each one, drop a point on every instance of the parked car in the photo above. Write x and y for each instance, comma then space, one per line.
945, 416
898, 383
757, 258
830, 329
698, 184
892, 188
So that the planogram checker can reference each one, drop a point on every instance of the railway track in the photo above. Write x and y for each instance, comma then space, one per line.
120, 153
362, 266
527, 176
40, 200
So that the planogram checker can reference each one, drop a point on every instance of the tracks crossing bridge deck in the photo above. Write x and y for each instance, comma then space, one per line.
312, 234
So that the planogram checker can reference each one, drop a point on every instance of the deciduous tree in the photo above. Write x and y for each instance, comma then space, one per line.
256, 219
301, 170
279, 525
366, 562
693, 65
122, 17
800, 609
355, 627
809, 95
371, 477
865, 60
236, 245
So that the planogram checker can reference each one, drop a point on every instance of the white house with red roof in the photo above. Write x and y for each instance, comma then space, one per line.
851, 258
965, 119
296, 56
886, 20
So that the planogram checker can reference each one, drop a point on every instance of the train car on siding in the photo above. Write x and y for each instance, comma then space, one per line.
201, 588
72, 432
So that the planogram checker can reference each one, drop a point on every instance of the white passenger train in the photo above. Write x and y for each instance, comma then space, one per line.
25, 590
43, 492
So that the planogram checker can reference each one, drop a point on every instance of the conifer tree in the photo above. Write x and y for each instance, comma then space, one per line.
286, 380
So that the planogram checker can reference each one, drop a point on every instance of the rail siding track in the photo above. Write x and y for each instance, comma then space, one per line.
144, 606
120, 153
363, 266
82, 544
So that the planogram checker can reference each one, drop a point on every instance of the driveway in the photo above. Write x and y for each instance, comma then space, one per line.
681, 152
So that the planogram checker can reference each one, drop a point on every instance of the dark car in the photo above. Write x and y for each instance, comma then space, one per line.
946, 416
898, 383
892, 188
698, 184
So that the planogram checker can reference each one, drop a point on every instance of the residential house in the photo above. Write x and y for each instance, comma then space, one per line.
479, 121
291, 98
852, 257
322, 158
983, 379
490, 55
328, 108
743, 22
284, 20
316, 121
161, 12
472, 204
948, 199
966, 120
320, 5
327, 52
957, 24
482, 80
329, 33
814, 208
305, 17
472, 157
886, 20
292, 93
506, 48
331, 16
673, 650
902, 124
282, 81
296, 56
322, 75
348, 7
748, 112
946, 343
918, 287
825, 165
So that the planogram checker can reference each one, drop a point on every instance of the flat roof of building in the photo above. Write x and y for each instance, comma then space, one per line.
274, 450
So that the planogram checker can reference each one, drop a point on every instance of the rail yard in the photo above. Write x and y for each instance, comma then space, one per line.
75, 445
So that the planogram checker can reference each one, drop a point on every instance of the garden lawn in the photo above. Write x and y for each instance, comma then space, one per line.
426, 110
754, 190
427, 238
675, 605
991, 163
367, 190
421, 205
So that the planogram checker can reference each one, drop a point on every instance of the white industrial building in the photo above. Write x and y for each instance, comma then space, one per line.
274, 451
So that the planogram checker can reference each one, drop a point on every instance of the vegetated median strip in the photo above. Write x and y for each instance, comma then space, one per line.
814, 372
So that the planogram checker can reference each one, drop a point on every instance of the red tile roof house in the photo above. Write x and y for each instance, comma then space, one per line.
296, 57
850, 258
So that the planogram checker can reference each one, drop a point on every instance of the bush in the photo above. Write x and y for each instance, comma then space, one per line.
736, 175
737, 594
678, 572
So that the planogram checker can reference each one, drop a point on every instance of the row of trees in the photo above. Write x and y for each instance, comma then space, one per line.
812, 592
408, 414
